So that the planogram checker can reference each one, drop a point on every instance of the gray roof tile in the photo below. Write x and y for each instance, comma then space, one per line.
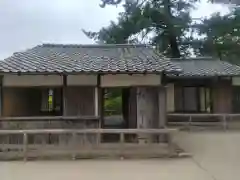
205, 67
59, 58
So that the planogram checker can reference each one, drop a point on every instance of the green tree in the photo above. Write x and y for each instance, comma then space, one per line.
221, 36
166, 24
162, 23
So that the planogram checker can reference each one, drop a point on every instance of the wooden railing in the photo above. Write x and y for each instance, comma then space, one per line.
78, 146
52, 118
49, 122
203, 119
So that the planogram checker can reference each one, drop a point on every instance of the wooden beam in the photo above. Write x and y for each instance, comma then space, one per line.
89, 131
96, 101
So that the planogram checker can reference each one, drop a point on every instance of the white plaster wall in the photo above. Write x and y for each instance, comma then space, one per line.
170, 98
236, 81
32, 80
130, 80
82, 80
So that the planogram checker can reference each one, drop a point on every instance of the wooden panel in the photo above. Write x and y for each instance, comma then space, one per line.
132, 122
190, 99
222, 97
178, 98
147, 106
236, 99
162, 107
21, 101
170, 98
124, 80
32, 80
82, 80
79, 101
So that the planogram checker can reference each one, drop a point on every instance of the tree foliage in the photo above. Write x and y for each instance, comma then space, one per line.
161, 23
167, 25
221, 36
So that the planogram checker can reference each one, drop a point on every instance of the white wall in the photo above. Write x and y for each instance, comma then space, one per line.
32, 80
130, 80
236, 81
82, 80
122, 80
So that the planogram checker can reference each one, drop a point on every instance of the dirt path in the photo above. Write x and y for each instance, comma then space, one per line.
217, 152
216, 158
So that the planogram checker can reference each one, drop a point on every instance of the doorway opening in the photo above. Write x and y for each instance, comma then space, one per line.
117, 110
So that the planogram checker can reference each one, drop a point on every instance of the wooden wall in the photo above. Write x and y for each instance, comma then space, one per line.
132, 121
170, 97
222, 96
27, 101
147, 107
79, 101
21, 102
222, 93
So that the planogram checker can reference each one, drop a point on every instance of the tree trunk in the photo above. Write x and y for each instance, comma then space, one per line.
175, 52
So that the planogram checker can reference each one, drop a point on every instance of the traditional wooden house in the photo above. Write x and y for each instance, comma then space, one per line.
68, 80
52, 89
205, 86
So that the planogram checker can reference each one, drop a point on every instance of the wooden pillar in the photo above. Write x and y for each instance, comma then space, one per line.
162, 107
99, 106
1, 96
64, 91
96, 101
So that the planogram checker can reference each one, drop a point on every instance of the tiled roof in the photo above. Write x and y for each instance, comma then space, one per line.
205, 67
59, 58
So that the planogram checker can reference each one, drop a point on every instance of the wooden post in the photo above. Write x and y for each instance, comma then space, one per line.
74, 145
64, 107
224, 122
170, 144
25, 144
122, 141
99, 106
1, 95
162, 111
189, 125
64, 89
96, 101
99, 101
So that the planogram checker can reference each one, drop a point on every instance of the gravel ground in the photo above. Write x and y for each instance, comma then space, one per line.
216, 157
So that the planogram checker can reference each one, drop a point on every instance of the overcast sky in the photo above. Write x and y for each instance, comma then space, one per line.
27, 23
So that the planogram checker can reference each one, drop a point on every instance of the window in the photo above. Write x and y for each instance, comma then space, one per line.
51, 100
193, 99
190, 103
